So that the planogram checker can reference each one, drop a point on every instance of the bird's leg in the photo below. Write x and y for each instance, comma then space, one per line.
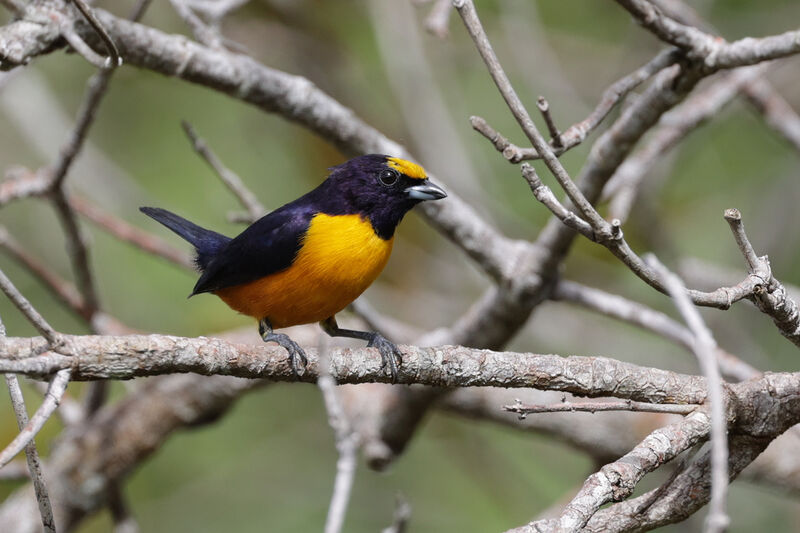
390, 354
294, 349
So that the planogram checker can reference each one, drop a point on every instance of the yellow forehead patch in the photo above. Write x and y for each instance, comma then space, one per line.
412, 170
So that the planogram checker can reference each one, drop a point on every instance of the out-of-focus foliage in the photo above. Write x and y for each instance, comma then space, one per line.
269, 465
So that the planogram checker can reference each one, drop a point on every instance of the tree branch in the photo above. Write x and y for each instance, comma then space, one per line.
104, 357
32, 456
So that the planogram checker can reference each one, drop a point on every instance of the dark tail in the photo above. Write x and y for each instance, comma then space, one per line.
206, 242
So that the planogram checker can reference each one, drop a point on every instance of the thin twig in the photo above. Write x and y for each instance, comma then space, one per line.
734, 219
704, 349
473, 24
543, 193
610, 235
234, 183
28, 310
769, 294
673, 127
777, 112
78, 251
438, 20
61, 288
96, 88
70, 411
32, 456
126, 232
555, 135
713, 51
510, 151
617, 481
51, 400
647, 318
346, 444
596, 407
578, 132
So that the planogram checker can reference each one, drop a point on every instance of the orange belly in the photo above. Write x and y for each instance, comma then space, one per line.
339, 258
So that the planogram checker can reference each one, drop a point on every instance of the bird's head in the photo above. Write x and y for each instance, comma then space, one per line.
382, 188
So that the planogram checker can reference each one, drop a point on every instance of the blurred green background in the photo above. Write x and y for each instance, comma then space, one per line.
269, 464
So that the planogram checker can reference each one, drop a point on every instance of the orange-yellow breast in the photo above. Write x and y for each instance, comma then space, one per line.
339, 258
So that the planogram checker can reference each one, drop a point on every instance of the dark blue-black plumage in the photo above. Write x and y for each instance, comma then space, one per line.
271, 243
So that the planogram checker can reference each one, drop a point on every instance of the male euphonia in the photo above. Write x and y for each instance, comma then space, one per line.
308, 260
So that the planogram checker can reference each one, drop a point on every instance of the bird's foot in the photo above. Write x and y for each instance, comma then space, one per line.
390, 354
294, 349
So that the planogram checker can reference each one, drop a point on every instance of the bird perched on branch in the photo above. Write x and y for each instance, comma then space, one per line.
308, 260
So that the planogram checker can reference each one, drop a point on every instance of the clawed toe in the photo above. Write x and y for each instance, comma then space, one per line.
294, 350
390, 354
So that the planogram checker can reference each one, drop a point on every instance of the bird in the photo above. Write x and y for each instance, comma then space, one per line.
309, 259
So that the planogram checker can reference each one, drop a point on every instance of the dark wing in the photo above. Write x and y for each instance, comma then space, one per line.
266, 247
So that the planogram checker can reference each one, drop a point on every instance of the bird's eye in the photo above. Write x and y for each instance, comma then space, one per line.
388, 177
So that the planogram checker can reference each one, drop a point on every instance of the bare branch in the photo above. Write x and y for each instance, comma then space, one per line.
95, 90
704, 348
714, 52
617, 481
245, 196
107, 357
62, 289
51, 400
640, 315
778, 114
32, 456
543, 193
687, 493
734, 219
510, 151
578, 132
126, 232
22, 183
770, 296
346, 444
78, 250
119, 437
673, 127
618, 90
555, 135
25, 307
473, 24
596, 407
